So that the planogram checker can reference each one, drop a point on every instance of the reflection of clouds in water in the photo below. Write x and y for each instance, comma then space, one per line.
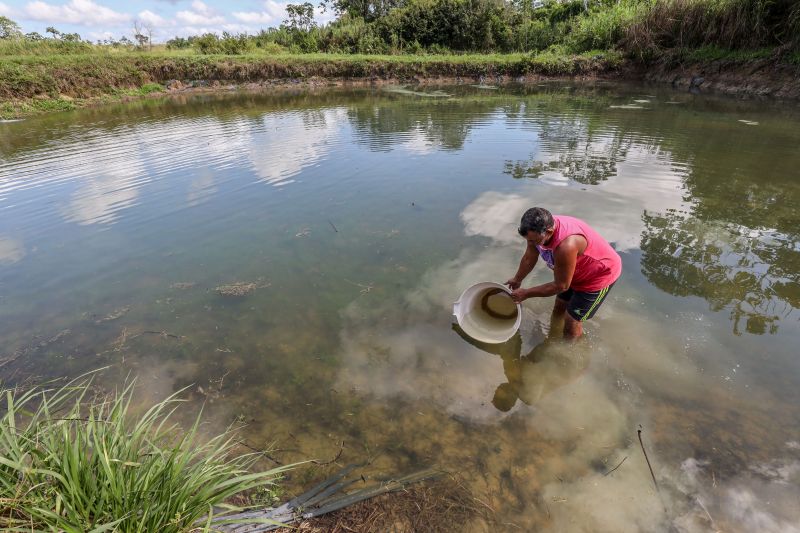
421, 363
102, 196
613, 209
201, 189
418, 143
624, 501
108, 168
291, 142
105, 187
763, 499
11, 251
496, 215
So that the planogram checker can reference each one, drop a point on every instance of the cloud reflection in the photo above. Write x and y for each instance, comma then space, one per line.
11, 251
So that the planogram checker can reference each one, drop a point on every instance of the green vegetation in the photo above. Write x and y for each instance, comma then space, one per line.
74, 461
403, 39
640, 28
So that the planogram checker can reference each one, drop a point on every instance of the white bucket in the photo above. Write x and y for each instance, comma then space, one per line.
487, 313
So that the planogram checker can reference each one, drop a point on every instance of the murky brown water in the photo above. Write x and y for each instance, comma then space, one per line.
349, 222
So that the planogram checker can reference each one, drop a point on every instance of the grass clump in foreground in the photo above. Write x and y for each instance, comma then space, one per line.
74, 462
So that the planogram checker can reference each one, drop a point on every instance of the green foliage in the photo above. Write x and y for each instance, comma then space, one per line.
602, 28
73, 462
42, 47
644, 28
300, 16
728, 24
9, 29
228, 44
149, 88
179, 43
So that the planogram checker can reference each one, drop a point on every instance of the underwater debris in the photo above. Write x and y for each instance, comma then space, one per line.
183, 285
240, 288
113, 315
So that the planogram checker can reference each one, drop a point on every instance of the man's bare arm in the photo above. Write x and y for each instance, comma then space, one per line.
566, 256
526, 264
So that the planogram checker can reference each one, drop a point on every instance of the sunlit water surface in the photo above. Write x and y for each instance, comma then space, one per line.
358, 216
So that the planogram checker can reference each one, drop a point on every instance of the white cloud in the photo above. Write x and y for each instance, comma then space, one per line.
273, 13
152, 19
101, 35
81, 12
199, 15
5, 10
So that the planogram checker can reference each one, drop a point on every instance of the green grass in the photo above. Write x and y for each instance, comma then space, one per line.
74, 462
72, 79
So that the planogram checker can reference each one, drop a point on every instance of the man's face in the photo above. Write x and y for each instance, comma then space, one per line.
534, 237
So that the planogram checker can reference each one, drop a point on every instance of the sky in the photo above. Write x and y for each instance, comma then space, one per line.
103, 19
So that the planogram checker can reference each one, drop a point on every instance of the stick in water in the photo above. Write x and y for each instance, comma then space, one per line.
639, 431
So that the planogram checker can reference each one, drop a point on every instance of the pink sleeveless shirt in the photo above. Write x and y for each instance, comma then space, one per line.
597, 267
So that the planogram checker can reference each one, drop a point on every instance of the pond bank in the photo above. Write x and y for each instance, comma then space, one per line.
35, 85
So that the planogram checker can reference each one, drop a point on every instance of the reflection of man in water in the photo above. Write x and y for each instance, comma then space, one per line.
547, 367
584, 265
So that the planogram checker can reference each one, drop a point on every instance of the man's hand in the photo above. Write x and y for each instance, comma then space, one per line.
518, 295
513, 284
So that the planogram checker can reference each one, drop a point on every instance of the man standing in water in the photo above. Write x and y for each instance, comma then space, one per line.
584, 265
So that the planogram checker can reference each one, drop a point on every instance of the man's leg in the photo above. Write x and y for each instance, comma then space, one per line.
581, 307
557, 318
573, 329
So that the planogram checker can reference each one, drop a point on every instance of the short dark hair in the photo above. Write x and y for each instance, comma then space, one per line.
535, 219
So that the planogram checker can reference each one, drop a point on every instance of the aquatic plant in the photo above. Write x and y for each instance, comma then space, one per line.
74, 460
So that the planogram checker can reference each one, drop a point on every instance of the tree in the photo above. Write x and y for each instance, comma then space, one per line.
143, 33
366, 9
9, 29
301, 16
34, 36
71, 37
53, 31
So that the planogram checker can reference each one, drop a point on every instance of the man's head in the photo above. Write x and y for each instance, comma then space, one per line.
536, 225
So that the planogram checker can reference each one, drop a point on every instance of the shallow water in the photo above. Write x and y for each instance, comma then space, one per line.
354, 218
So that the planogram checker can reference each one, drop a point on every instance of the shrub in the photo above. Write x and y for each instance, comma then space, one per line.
602, 28
728, 24
228, 44
71, 462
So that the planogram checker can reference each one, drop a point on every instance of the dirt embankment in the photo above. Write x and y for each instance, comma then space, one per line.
755, 78
38, 85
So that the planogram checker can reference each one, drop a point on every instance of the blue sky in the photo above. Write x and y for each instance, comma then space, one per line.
101, 19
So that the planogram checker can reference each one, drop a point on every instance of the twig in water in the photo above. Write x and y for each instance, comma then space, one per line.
639, 432
619, 465
364, 288
334, 227
261, 452
321, 463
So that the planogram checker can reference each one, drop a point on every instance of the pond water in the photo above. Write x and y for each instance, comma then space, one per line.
349, 220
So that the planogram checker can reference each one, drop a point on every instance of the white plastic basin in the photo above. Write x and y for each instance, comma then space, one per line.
486, 312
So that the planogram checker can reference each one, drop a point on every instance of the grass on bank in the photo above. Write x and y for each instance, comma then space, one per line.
34, 84
76, 462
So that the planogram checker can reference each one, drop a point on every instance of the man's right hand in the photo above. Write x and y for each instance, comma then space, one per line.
513, 284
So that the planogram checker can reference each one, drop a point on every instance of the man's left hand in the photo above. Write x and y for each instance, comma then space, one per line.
519, 295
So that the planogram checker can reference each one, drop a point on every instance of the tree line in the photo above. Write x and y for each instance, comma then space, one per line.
644, 28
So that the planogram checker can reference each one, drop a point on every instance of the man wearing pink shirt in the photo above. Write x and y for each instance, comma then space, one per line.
584, 266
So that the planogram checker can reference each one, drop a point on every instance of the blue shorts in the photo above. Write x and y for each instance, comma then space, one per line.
583, 305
